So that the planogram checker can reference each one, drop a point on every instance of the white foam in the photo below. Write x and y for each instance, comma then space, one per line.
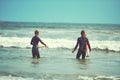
14, 78
97, 78
14, 41
106, 78
60, 43
57, 43
110, 45
79, 78
84, 77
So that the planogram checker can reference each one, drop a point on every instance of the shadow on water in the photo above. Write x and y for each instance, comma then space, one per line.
35, 61
83, 64
84, 61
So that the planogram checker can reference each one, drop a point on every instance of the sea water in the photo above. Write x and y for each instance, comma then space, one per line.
57, 62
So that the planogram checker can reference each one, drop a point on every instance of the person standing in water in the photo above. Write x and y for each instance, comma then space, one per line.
35, 40
82, 41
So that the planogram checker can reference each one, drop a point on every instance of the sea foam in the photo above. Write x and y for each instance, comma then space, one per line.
79, 78
24, 42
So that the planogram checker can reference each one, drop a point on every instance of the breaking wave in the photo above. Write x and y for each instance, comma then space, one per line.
17, 42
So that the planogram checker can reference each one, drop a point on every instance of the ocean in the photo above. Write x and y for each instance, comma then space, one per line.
57, 62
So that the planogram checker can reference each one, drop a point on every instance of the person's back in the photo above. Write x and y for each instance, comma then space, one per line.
35, 40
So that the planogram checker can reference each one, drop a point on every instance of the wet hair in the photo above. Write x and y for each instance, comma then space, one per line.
82, 32
36, 31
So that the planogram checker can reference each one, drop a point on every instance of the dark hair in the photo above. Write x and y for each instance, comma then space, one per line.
82, 32
36, 31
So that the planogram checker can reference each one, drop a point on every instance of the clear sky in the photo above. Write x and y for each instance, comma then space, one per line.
70, 11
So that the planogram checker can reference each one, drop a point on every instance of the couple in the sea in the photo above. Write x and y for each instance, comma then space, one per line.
82, 42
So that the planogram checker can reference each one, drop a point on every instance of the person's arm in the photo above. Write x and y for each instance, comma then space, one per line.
75, 46
88, 44
42, 42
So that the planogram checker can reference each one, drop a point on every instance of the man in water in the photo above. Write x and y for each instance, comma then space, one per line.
81, 41
35, 40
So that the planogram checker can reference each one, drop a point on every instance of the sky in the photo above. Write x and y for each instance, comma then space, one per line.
63, 11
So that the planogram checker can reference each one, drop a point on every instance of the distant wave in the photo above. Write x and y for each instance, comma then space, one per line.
79, 77
12, 25
17, 42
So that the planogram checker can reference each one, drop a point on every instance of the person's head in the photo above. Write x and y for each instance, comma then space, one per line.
36, 33
83, 34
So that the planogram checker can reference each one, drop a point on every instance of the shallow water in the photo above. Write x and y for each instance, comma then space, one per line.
58, 64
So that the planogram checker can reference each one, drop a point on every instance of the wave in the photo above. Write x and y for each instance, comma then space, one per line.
12, 25
17, 42
79, 77
97, 78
